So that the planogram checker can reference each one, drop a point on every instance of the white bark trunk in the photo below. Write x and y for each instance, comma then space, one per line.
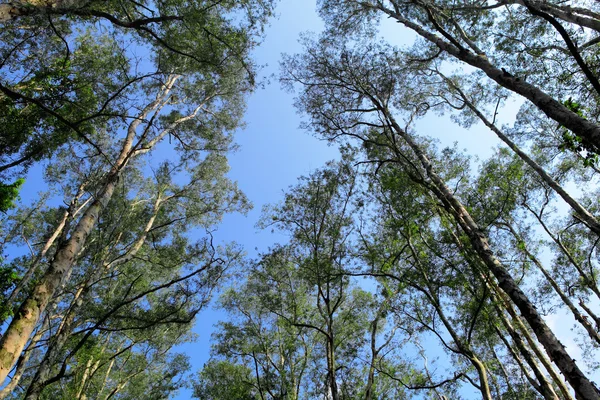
24, 322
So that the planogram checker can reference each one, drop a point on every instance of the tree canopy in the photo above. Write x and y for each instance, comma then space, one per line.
404, 269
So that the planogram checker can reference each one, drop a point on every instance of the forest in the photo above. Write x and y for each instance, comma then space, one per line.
403, 268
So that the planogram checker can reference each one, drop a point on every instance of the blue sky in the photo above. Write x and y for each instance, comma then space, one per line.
274, 151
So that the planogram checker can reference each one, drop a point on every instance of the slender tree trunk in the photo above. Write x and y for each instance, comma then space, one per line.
544, 387
371, 373
106, 375
519, 362
555, 349
587, 130
466, 351
588, 281
592, 223
21, 365
584, 18
71, 212
495, 384
84, 378
375, 350
590, 313
19, 8
331, 380
463, 347
574, 310
522, 330
483, 379
509, 385
66, 327
24, 322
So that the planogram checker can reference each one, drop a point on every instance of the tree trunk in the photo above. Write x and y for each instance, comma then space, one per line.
522, 366
331, 381
544, 387
463, 347
574, 310
22, 325
24, 322
20, 8
532, 343
505, 375
554, 109
590, 313
71, 212
587, 217
566, 13
84, 378
106, 375
555, 349
371, 373
588, 281
66, 327
21, 365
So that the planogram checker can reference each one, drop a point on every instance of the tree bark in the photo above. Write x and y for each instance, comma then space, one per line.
331, 380
20, 8
21, 365
590, 313
532, 343
522, 366
565, 299
588, 281
39, 382
463, 347
555, 349
587, 217
544, 387
84, 378
22, 325
554, 109
569, 14
71, 212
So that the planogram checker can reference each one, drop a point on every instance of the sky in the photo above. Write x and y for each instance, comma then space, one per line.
274, 151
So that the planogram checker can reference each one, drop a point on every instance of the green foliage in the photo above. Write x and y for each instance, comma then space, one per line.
9, 277
9, 193
573, 142
76, 72
302, 324
222, 380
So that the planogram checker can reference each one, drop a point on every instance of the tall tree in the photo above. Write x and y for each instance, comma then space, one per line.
355, 94
298, 324
70, 69
197, 104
